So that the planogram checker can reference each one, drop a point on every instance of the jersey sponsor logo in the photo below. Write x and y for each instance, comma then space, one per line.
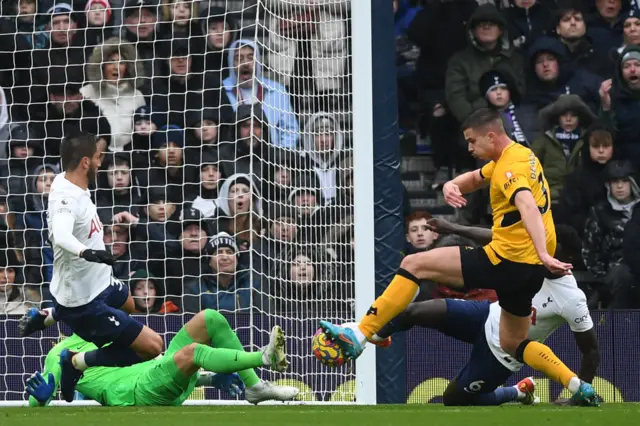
96, 226
581, 319
510, 182
114, 321
63, 210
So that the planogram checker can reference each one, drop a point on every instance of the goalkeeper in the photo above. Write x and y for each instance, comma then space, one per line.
206, 341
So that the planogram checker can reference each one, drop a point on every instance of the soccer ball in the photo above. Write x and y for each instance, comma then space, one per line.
326, 351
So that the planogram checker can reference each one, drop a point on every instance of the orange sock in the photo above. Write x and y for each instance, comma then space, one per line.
395, 299
542, 358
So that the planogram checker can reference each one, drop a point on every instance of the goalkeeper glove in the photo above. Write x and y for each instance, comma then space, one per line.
40, 389
98, 256
229, 383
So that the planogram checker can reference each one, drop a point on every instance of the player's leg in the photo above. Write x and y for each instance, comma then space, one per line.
441, 265
35, 320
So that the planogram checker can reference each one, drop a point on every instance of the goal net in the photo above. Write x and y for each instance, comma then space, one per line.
226, 180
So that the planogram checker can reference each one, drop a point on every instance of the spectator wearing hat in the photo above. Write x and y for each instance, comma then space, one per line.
501, 92
560, 147
527, 20
221, 28
144, 127
602, 245
306, 198
148, 294
225, 285
631, 29
114, 77
99, 22
246, 84
140, 19
620, 104
117, 188
552, 75
605, 26
571, 29
210, 180
585, 186
240, 208
167, 166
203, 127
488, 46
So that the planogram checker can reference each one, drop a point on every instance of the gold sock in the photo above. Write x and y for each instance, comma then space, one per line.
542, 358
395, 299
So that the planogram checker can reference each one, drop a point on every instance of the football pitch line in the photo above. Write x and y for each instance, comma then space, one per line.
391, 415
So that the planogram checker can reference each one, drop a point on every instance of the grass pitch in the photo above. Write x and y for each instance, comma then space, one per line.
391, 415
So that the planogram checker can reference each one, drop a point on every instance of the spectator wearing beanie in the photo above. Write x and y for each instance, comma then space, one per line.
551, 75
571, 30
148, 294
620, 104
240, 208
631, 29
114, 76
488, 46
99, 22
527, 20
605, 26
602, 245
560, 147
585, 186
167, 167
225, 285
501, 92
144, 127
139, 29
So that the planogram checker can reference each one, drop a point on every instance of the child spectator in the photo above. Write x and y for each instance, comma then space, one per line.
167, 168
585, 186
144, 128
240, 209
559, 149
148, 296
15, 297
221, 29
602, 245
225, 286
419, 236
306, 198
116, 189
211, 179
99, 21
180, 24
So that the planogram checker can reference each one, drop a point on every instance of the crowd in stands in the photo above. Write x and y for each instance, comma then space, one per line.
226, 179
565, 76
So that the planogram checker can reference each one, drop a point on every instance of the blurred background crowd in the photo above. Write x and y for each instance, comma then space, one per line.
225, 127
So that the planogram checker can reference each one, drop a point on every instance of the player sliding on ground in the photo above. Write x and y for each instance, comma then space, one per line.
206, 341
514, 263
86, 296
559, 301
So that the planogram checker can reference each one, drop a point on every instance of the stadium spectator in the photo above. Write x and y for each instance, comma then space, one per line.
306, 198
520, 120
571, 29
180, 25
116, 237
585, 186
306, 47
551, 75
225, 285
221, 28
605, 26
144, 128
602, 245
418, 234
240, 209
340, 246
620, 105
203, 133
6, 235
631, 29
631, 257
211, 177
560, 147
246, 84
15, 297
139, 29
114, 76
99, 23
281, 234
100, 127
407, 54
322, 145
148, 296
116, 189
526, 21
167, 165
488, 46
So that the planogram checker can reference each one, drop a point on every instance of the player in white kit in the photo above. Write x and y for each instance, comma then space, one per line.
86, 296
559, 301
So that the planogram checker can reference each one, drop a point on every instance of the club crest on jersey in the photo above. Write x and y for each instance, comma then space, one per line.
96, 226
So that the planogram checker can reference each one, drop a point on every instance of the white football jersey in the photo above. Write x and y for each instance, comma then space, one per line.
559, 301
75, 281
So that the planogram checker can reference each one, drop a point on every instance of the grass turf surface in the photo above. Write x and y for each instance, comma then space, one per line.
391, 415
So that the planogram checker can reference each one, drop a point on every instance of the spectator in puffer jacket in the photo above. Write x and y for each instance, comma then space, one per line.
584, 188
246, 84
602, 245
114, 77
520, 121
527, 20
620, 104
148, 296
560, 147
551, 75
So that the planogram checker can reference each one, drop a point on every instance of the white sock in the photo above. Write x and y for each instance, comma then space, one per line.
377, 339
78, 361
49, 320
362, 339
574, 384
521, 395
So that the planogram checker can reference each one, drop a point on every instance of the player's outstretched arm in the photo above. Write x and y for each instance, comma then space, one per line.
462, 184
532, 220
441, 226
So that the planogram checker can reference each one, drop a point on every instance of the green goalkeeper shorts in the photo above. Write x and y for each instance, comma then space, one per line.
165, 384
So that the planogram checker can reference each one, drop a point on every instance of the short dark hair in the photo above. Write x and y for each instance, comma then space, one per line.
75, 147
483, 118
564, 7
416, 215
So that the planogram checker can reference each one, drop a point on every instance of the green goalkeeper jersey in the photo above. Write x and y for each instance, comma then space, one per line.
119, 386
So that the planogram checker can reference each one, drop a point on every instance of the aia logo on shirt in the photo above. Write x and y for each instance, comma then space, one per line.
96, 226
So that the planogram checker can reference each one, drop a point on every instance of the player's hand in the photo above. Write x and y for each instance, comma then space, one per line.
229, 383
98, 256
39, 388
441, 226
555, 266
453, 196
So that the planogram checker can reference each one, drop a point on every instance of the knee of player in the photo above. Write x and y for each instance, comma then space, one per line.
411, 263
186, 354
509, 345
